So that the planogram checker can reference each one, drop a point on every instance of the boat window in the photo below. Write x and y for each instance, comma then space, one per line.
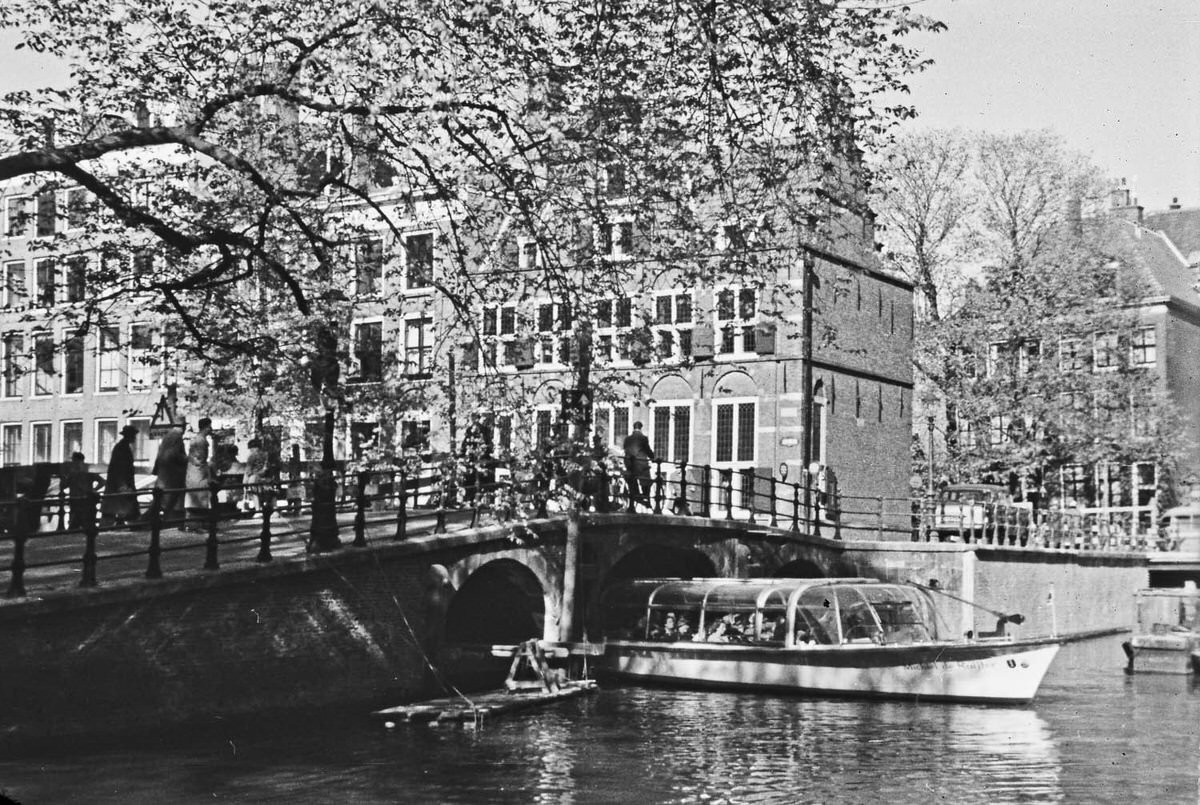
859, 624
816, 617
902, 615
670, 626
771, 626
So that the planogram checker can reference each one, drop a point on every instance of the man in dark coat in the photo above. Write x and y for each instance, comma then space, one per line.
638, 456
120, 497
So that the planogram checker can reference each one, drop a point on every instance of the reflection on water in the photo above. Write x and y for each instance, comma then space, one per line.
1092, 736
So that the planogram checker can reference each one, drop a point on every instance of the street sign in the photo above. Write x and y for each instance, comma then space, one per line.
163, 419
159, 431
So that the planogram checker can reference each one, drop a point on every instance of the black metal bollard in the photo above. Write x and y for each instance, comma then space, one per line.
264, 537
659, 484
706, 492
90, 530
360, 511
210, 544
16, 586
62, 507
439, 524
727, 484
154, 568
753, 501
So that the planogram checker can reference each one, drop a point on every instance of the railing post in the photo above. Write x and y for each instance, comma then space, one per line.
210, 544
360, 511
16, 585
439, 526
267, 502
402, 507
880, 524
706, 492
814, 498
727, 483
774, 509
154, 568
90, 530
682, 506
795, 508
659, 483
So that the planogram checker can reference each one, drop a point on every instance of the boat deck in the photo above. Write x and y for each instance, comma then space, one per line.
478, 707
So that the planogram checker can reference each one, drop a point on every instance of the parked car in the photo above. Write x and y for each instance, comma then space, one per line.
980, 511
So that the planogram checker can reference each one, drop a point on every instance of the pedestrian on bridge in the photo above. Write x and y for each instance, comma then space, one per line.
638, 456
170, 469
120, 495
198, 499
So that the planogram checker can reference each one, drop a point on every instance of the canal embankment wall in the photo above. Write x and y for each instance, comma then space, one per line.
361, 625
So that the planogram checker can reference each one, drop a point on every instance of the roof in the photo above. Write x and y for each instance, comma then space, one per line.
1182, 228
1162, 264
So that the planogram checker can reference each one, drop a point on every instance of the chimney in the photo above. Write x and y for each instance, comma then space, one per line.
1174, 203
143, 115
1124, 204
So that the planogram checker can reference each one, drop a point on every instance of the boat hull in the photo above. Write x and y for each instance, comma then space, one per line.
981, 671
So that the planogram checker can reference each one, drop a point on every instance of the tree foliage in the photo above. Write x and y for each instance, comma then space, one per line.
242, 152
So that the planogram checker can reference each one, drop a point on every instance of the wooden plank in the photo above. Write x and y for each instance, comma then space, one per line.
485, 705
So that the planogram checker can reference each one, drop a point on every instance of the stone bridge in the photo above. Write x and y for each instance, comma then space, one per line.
393, 620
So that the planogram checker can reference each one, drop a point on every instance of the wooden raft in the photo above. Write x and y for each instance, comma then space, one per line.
531, 682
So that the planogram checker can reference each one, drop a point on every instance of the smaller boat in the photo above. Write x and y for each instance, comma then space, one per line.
854, 637
1166, 633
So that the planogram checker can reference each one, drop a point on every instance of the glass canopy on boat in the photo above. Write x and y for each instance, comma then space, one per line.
778, 612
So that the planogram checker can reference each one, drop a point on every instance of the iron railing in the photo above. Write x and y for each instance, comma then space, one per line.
424, 499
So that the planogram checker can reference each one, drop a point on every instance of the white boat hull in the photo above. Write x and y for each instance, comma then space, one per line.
980, 671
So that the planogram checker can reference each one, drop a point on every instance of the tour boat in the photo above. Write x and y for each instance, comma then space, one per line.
846, 637
1166, 632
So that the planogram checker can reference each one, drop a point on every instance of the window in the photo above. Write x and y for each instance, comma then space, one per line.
732, 237
418, 347
1071, 355
72, 439
11, 442
414, 433
996, 359
615, 239
16, 217
73, 370
1104, 352
368, 351
14, 348
966, 434
499, 323
47, 213
368, 263
106, 438
1028, 354
418, 260
528, 255
15, 291
614, 179
108, 374
44, 279
141, 356
544, 418
612, 325
44, 364
611, 422
1143, 347
736, 310
735, 431
43, 441
671, 431
1000, 431
76, 280
77, 208
673, 324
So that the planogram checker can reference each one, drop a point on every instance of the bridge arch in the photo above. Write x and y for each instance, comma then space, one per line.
503, 601
659, 561
800, 569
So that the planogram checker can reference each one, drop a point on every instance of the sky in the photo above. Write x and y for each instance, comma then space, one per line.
1119, 81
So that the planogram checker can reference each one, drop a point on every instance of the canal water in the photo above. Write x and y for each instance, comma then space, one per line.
1094, 735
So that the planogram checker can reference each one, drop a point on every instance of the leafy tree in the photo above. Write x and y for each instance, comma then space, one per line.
237, 156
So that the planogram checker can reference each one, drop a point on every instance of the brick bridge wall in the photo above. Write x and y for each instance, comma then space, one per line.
355, 626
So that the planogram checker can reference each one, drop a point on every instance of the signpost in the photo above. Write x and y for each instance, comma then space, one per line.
164, 415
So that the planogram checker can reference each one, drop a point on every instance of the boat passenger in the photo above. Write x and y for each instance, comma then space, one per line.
667, 630
683, 631
778, 630
720, 632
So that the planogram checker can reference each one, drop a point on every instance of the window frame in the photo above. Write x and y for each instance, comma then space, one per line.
735, 459
426, 286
